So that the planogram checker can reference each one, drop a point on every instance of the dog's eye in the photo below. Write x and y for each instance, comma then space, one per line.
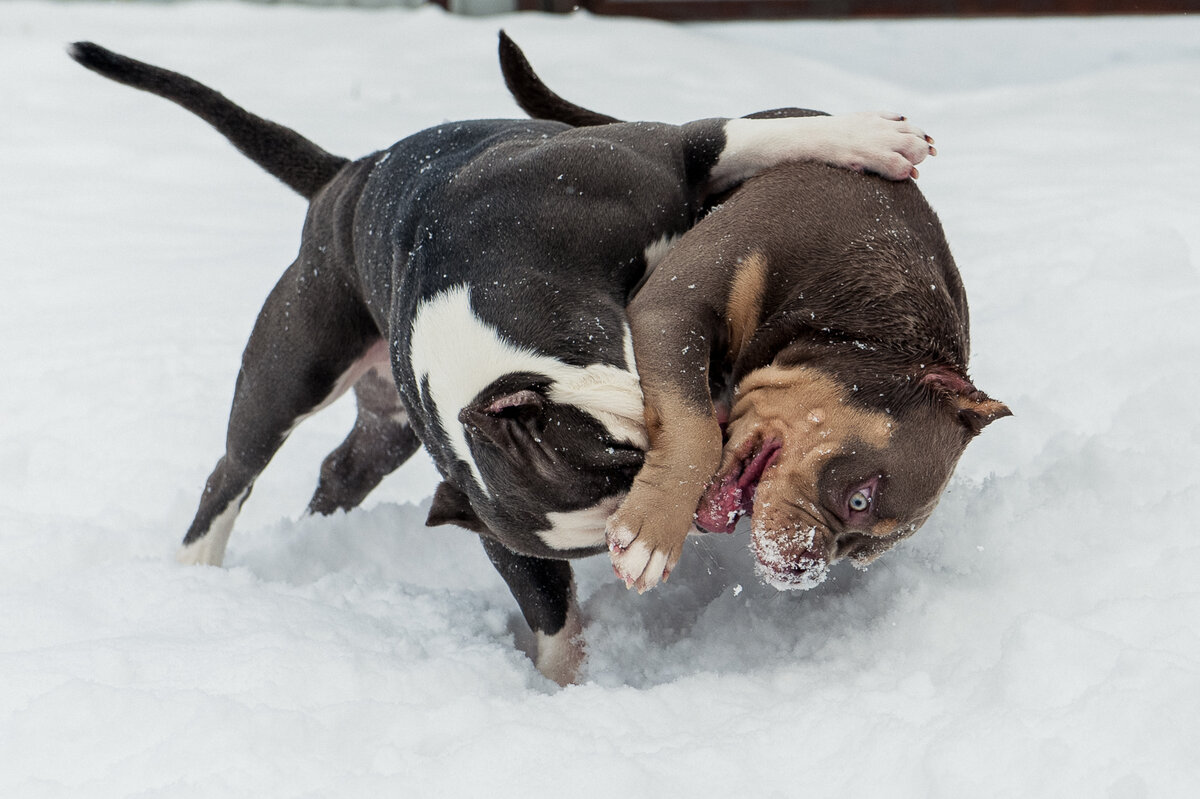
860, 501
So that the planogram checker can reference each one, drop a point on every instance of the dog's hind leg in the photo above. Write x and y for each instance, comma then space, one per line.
382, 440
545, 591
313, 340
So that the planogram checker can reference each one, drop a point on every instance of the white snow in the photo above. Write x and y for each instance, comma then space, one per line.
1039, 638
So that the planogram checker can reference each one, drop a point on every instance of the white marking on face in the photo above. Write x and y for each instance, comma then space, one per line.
459, 355
209, 550
578, 529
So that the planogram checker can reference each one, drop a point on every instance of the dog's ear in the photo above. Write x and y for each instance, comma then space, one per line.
451, 506
978, 410
501, 418
974, 409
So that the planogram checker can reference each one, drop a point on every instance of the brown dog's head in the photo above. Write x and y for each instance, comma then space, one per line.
825, 475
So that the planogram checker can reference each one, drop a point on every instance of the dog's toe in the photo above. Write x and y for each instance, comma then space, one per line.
630, 563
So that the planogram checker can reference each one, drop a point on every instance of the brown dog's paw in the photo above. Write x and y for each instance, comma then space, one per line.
645, 540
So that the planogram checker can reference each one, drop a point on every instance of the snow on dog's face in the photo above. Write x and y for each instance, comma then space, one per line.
826, 478
540, 451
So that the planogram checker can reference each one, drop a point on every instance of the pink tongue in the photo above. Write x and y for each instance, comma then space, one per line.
726, 500
720, 507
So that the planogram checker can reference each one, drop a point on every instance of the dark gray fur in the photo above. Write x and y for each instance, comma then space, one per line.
476, 202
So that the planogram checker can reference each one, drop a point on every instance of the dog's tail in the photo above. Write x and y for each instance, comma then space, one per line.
534, 97
537, 99
287, 155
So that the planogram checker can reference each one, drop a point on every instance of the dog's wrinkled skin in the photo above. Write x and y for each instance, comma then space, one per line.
469, 284
821, 312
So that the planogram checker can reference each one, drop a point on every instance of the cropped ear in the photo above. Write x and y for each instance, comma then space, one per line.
978, 410
975, 409
451, 506
525, 398
500, 418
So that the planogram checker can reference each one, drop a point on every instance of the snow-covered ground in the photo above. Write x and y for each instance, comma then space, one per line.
1038, 638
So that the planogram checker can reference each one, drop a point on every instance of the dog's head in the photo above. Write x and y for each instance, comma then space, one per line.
537, 448
826, 474
550, 461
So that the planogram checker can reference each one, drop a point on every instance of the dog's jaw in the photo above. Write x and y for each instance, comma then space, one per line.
731, 495
792, 544
794, 560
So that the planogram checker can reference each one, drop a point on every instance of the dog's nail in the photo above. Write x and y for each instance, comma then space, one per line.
932, 150
929, 140
915, 174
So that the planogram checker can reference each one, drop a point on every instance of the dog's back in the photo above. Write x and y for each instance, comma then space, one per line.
854, 255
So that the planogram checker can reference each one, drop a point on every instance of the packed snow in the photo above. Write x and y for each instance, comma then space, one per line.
1038, 638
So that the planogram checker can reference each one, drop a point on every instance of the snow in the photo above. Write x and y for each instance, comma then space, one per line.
1038, 638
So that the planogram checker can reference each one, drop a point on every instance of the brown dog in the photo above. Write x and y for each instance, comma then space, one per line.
829, 302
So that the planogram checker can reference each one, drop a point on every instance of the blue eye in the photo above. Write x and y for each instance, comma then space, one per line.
860, 501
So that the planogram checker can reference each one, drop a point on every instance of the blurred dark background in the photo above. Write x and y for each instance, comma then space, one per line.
830, 9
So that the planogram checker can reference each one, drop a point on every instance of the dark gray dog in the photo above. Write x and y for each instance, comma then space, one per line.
482, 269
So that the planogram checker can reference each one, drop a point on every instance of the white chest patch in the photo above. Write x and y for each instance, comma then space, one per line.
459, 355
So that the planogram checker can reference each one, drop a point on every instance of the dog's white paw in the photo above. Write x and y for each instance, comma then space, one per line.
207, 551
560, 656
884, 143
204, 552
641, 559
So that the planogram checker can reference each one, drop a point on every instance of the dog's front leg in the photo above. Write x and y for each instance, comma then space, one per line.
646, 533
545, 591
882, 143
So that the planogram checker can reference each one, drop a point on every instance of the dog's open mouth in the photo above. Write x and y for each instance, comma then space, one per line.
731, 495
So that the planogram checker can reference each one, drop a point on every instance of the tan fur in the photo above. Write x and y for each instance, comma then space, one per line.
685, 449
805, 403
883, 528
808, 412
744, 309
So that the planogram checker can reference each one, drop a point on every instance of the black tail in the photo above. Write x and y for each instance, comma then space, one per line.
534, 97
287, 155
